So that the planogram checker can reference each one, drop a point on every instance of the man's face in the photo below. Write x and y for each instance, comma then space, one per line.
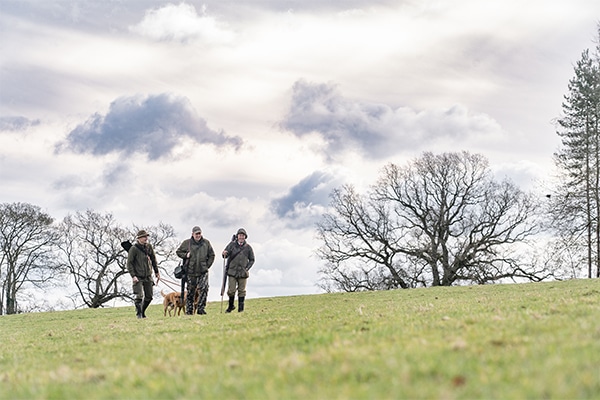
241, 237
197, 235
143, 239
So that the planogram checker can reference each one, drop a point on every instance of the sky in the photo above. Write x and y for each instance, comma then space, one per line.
228, 114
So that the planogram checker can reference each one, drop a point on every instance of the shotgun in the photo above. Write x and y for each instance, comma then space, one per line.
223, 284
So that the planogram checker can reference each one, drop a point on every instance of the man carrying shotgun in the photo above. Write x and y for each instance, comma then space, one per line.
240, 258
141, 260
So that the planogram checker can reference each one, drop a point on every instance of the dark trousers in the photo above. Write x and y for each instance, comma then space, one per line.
201, 283
143, 290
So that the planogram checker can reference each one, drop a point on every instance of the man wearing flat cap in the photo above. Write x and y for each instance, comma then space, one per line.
200, 256
141, 260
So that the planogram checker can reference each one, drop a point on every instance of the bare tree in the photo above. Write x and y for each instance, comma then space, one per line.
569, 247
92, 253
355, 277
27, 241
439, 221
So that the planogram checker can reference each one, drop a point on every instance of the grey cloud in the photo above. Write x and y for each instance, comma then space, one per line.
152, 125
80, 191
16, 123
306, 201
116, 174
373, 129
342, 123
210, 217
113, 175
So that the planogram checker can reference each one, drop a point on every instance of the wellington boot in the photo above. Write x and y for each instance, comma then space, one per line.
138, 310
231, 306
241, 304
144, 307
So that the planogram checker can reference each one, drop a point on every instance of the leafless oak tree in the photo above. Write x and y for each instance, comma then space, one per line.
91, 249
439, 221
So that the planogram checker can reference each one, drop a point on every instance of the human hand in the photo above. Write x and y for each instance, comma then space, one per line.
224, 254
135, 279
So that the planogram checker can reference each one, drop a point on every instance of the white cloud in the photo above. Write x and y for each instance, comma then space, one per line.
526, 174
267, 277
181, 23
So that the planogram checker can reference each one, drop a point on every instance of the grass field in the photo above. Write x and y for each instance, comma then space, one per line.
527, 341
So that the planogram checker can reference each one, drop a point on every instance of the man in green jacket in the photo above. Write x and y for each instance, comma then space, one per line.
240, 258
200, 256
141, 260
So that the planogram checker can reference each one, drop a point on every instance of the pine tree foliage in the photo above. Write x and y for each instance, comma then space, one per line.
575, 207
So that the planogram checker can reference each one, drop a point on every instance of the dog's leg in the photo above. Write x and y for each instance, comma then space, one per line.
176, 300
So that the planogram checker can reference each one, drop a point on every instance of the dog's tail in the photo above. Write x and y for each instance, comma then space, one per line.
161, 292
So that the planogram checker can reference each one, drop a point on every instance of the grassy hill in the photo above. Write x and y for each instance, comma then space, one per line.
504, 341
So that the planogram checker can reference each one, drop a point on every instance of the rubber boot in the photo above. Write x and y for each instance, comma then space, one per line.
189, 306
144, 306
241, 304
138, 309
231, 306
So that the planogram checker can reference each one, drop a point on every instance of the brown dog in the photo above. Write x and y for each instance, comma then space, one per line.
172, 302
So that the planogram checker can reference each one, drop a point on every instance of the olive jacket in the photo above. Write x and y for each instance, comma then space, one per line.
202, 256
141, 260
240, 259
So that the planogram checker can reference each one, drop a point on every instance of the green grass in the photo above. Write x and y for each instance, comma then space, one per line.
525, 341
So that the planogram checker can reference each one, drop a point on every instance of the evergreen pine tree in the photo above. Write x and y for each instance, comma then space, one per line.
577, 206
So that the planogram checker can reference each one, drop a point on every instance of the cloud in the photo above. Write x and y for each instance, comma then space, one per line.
93, 187
306, 201
181, 23
375, 130
268, 277
284, 265
153, 125
524, 173
16, 123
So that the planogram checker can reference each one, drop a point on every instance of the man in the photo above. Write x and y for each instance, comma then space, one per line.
141, 260
200, 256
240, 258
